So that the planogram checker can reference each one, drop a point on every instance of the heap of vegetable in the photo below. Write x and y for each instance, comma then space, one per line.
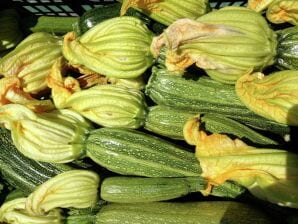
151, 101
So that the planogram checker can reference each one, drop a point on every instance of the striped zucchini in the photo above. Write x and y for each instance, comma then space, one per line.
169, 122
212, 212
143, 189
205, 96
131, 152
21, 172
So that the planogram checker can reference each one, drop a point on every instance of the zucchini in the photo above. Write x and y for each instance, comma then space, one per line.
142, 189
131, 152
212, 212
96, 15
21, 172
169, 122
205, 95
54, 24
287, 54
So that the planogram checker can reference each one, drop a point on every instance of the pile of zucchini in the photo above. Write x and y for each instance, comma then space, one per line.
151, 112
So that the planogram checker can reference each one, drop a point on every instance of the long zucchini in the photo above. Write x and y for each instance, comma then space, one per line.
131, 152
142, 189
169, 122
213, 212
21, 172
205, 95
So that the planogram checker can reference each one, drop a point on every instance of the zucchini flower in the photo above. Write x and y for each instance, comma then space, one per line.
274, 96
287, 53
56, 136
110, 106
269, 174
11, 92
282, 11
31, 61
168, 11
117, 47
226, 43
11, 33
63, 87
258, 5
14, 211
70, 189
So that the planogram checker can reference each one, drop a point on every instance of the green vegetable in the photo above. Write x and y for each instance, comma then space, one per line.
117, 47
205, 95
168, 11
11, 33
226, 43
215, 212
169, 122
94, 16
287, 53
54, 24
273, 96
140, 189
21, 172
131, 152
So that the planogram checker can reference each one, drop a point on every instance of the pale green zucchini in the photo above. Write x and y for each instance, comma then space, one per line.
212, 212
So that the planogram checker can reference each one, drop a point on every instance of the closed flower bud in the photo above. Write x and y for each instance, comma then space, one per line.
117, 47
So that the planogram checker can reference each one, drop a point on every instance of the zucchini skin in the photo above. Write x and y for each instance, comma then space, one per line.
96, 15
132, 152
212, 212
21, 172
169, 122
142, 189
205, 95
287, 49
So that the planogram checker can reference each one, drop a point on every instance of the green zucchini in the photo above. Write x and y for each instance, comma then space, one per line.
96, 15
287, 54
169, 122
21, 172
131, 152
212, 212
141, 189
205, 95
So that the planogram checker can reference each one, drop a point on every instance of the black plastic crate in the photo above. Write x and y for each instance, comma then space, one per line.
78, 7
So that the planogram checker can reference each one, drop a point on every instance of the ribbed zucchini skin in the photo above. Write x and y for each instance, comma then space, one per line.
287, 49
212, 212
169, 122
143, 189
131, 152
204, 95
21, 172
